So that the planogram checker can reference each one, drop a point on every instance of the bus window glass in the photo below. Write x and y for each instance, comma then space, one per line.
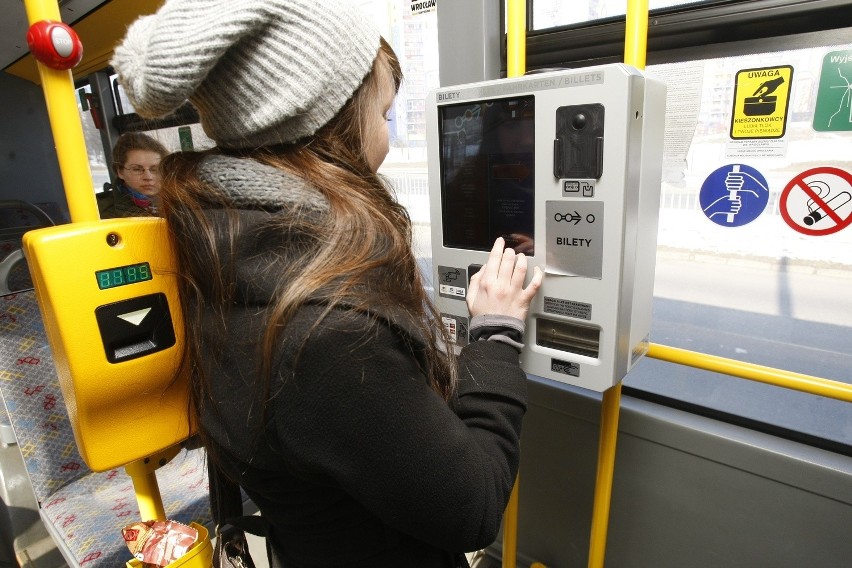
92, 136
174, 138
414, 37
554, 13
753, 258
179, 138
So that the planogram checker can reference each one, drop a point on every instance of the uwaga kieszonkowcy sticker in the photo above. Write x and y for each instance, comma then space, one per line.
761, 98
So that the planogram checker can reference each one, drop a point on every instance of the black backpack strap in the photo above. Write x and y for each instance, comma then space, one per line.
226, 504
226, 500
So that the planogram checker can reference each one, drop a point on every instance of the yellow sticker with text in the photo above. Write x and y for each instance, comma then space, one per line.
761, 98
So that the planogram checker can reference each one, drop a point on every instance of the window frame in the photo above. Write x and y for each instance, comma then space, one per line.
672, 31
714, 29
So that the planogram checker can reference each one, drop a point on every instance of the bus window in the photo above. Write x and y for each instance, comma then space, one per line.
555, 13
764, 281
414, 38
98, 163
174, 138
759, 286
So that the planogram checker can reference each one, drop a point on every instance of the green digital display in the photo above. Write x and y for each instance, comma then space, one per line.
123, 275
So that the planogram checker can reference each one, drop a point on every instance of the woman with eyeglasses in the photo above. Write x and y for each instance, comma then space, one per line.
136, 159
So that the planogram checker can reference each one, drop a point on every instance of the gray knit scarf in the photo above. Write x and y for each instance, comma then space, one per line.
252, 185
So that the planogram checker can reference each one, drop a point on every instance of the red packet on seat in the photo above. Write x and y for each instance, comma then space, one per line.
158, 543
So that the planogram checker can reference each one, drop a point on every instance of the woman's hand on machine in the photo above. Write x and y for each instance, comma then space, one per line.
498, 287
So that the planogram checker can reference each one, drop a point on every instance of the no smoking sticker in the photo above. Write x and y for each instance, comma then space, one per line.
818, 201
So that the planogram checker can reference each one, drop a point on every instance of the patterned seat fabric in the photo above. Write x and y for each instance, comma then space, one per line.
86, 509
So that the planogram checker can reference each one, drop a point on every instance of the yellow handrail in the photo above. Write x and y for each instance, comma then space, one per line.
510, 529
636, 33
516, 37
65, 123
67, 129
750, 371
635, 46
610, 411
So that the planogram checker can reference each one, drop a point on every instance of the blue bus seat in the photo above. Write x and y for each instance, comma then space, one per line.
16, 218
83, 510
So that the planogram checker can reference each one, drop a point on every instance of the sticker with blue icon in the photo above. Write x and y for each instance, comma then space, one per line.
734, 195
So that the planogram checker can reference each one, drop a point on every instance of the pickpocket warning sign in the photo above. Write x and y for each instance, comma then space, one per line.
761, 98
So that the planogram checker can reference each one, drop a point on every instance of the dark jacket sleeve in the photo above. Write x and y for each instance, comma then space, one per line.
356, 408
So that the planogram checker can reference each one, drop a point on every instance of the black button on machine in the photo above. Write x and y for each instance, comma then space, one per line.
471, 270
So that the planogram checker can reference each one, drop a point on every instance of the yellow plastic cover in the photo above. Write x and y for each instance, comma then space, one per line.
108, 296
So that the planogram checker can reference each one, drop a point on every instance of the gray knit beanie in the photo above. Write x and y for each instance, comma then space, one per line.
259, 72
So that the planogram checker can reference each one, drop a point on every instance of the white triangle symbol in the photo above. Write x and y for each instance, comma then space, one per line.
135, 317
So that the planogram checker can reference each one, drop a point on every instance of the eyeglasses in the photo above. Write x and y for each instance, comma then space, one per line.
139, 170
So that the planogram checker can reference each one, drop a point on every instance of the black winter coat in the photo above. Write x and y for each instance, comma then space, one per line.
352, 458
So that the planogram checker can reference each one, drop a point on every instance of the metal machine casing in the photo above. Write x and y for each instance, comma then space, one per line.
582, 193
108, 296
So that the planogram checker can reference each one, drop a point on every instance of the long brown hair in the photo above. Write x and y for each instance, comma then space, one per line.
367, 232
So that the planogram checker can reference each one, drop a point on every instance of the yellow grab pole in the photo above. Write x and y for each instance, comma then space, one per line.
147, 491
610, 410
58, 87
759, 373
636, 33
516, 23
516, 38
635, 46
143, 473
510, 529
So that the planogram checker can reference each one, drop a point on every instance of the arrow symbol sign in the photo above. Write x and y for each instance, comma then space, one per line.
135, 317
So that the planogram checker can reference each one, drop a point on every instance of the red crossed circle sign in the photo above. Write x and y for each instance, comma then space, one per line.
818, 201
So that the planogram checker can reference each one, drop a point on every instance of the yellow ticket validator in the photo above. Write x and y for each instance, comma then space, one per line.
108, 295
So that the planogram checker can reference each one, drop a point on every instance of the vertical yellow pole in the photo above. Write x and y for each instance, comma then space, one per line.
516, 48
635, 48
516, 38
58, 87
610, 410
636, 34
147, 491
510, 529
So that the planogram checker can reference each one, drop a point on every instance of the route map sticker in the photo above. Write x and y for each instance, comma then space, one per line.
833, 112
734, 195
761, 97
818, 201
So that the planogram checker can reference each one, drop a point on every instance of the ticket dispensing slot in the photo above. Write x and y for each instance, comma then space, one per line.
570, 337
566, 167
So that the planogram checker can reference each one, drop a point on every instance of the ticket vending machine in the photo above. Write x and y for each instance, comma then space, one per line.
566, 166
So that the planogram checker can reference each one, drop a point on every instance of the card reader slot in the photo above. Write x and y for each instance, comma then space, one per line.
132, 350
568, 336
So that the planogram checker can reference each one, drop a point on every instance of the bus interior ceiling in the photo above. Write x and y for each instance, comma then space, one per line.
711, 470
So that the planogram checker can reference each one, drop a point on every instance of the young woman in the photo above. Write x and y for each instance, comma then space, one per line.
136, 160
319, 380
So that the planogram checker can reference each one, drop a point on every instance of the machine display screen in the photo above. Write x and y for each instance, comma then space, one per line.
488, 173
131, 274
